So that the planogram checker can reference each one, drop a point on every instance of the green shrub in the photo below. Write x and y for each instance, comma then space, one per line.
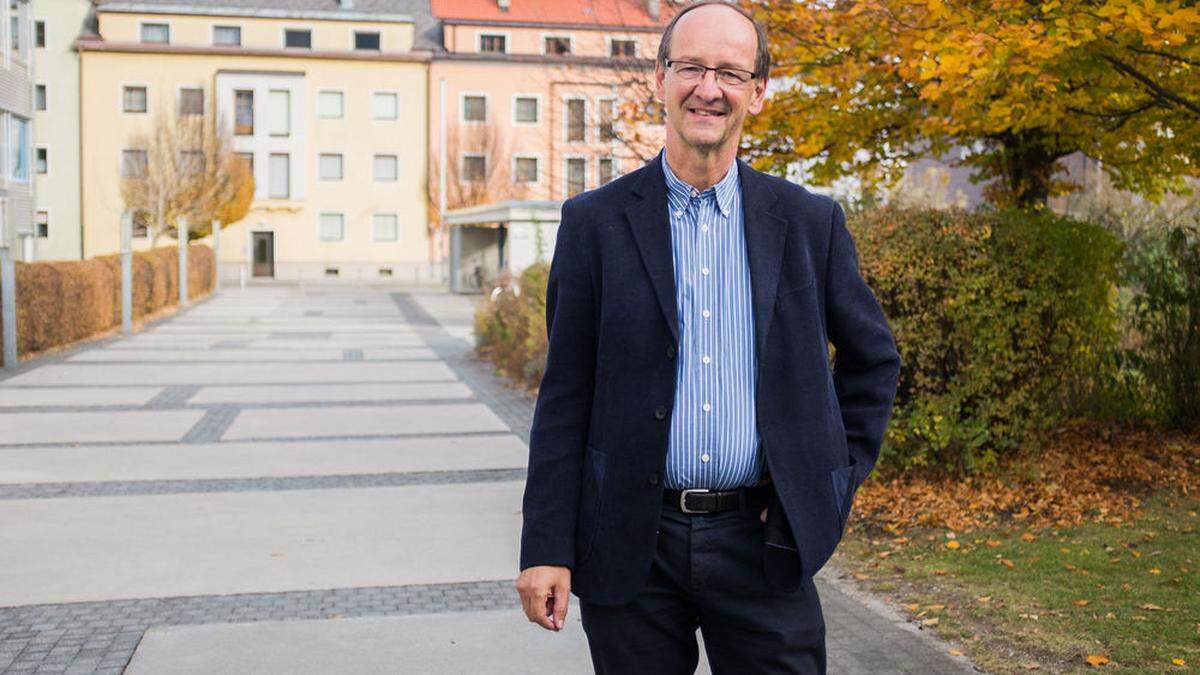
1005, 324
510, 327
1163, 268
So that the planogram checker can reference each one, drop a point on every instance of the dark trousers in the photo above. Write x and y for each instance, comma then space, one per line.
707, 573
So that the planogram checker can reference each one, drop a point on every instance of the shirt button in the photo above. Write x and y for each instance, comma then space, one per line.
678, 213
707, 407
705, 457
652, 479
706, 313
670, 351
704, 228
704, 271
706, 359
660, 413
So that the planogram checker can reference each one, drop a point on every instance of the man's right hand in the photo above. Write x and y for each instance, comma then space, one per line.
545, 590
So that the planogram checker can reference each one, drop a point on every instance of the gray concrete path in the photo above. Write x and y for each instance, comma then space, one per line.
283, 479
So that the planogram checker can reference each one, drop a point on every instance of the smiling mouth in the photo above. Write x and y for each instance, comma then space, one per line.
703, 112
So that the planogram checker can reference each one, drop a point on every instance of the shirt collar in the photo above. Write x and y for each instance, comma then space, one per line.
725, 189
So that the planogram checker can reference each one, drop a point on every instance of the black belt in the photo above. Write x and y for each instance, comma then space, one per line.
712, 501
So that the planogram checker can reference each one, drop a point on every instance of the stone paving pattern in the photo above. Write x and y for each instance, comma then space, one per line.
285, 439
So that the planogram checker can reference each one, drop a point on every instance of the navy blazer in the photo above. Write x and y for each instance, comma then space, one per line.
598, 444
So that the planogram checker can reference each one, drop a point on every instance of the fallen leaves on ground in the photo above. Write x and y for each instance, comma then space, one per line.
1083, 474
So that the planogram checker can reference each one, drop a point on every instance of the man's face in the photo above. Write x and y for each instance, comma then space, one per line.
706, 114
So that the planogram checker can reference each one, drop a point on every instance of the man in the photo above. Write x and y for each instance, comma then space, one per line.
693, 459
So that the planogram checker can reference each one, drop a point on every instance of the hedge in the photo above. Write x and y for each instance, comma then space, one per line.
61, 302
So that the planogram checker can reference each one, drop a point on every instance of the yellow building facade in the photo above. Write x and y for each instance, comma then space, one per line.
330, 107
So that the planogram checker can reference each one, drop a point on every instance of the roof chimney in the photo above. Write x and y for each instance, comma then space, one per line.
503, 5
652, 8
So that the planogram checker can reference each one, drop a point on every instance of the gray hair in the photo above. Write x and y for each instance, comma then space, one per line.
762, 59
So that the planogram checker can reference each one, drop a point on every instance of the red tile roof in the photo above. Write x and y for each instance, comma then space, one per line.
632, 13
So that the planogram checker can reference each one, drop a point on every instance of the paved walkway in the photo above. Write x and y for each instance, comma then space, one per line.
293, 479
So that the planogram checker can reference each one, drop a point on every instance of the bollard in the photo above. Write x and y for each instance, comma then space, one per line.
181, 235
8, 304
127, 273
216, 237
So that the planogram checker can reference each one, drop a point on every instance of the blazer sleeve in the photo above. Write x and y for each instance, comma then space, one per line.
563, 410
866, 362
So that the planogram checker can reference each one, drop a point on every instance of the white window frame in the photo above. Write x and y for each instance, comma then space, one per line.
376, 155
121, 97
566, 174
283, 31
462, 166
609, 39
41, 146
540, 105
394, 214
322, 179
290, 132
322, 240
393, 92
121, 162
290, 173
212, 33
600, 101
479, 35
615, 174
462, 107
569, 36
179, 98
33, 30
45, 96
527, 155
167, 22
566, 132
330, 90
30, 158
49, 221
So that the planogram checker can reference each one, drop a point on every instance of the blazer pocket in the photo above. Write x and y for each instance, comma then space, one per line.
843, 491
591, 493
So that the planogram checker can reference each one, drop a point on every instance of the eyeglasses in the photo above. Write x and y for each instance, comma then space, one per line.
688, 72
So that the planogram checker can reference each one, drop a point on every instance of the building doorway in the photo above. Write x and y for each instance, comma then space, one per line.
264, 254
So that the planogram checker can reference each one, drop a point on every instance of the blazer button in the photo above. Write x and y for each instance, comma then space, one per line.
652, 479
660, 413
671, 351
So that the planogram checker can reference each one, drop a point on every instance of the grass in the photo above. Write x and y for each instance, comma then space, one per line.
1124, 596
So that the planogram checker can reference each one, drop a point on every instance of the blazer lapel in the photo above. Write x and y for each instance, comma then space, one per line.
765, 235
652, 232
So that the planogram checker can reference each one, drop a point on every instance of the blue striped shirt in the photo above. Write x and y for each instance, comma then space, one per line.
713, 440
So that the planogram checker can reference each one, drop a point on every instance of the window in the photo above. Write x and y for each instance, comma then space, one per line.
39, 97
525, 110
133, 163
330, 105
39, 33
228, 36
385, 105
18, 143
607, 118
134, 99
301, 38
622, 49
604, 169
141, 223
191, 162
42, 223
243, 112
576, 122
474, 108
279, 176
156, 33
385, 167
248, 158
525, 170
555, 45
368, 41
14, 28
385, 227
191, 101
576, 175
493, 44
474, 168
279, 112
330, 166
43, 160
332, 227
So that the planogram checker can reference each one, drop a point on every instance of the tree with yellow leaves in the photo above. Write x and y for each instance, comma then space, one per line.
1015, 85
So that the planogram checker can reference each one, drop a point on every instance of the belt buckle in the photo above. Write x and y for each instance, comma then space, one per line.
683, 499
